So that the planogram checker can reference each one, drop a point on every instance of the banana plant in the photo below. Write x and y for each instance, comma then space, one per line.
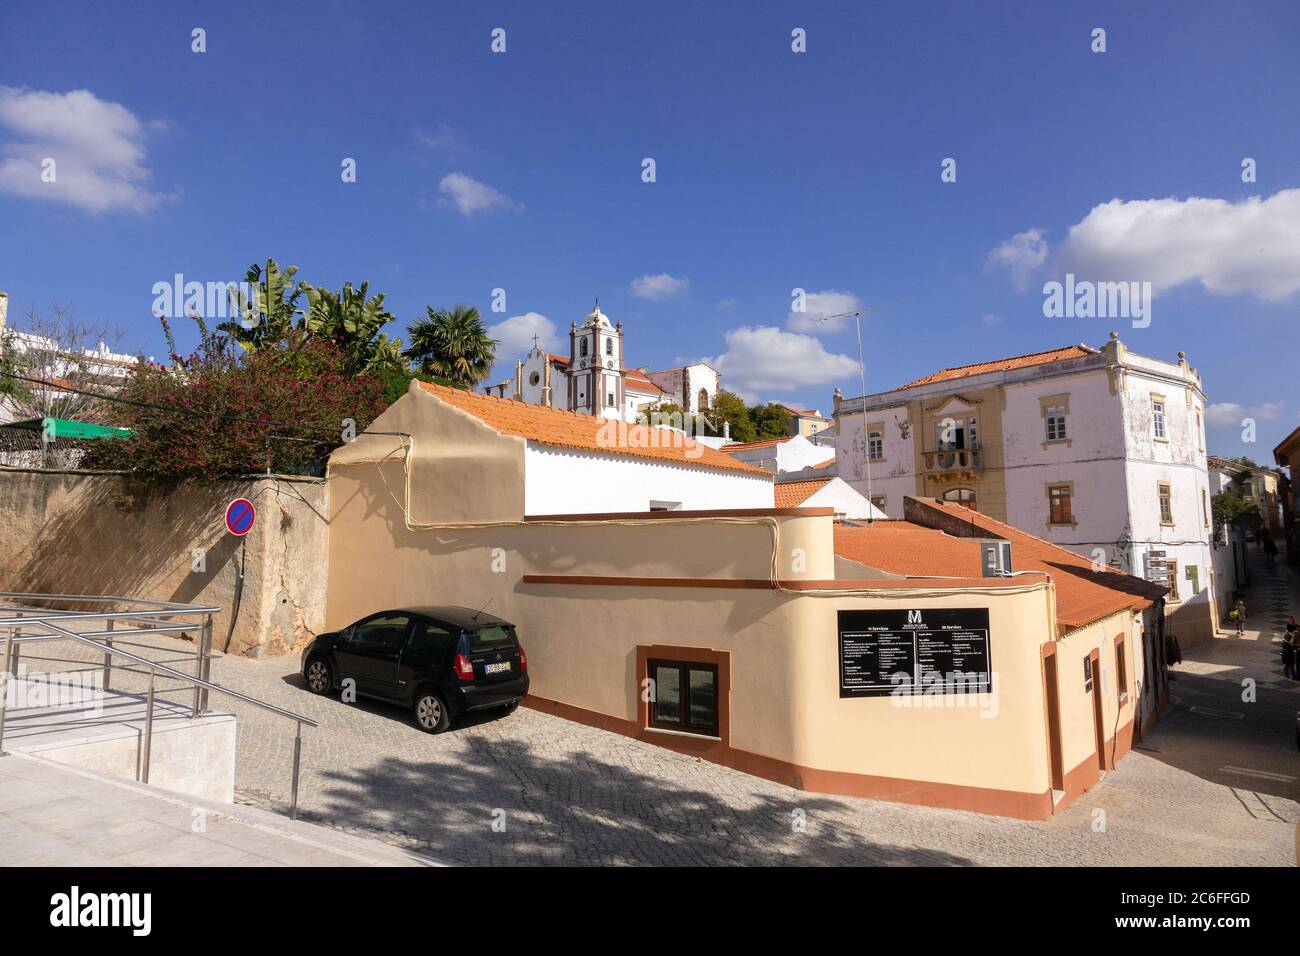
267, 316
353, 322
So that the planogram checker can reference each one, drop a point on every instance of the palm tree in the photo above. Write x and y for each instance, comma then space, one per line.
453, 344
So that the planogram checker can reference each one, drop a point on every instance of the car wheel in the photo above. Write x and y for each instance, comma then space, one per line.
431, 714
319, 678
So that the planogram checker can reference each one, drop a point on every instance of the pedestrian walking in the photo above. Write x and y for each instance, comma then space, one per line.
1291, 650
1238, 614
1270, 547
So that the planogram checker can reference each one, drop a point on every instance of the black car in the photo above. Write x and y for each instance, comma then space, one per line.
440, 661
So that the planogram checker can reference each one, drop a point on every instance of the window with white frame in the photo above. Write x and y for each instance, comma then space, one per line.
875, 444
1054, 420
1158, 419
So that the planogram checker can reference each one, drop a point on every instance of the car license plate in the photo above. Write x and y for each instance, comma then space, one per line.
496, 668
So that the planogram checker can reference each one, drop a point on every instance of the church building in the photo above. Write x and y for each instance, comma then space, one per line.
595, 379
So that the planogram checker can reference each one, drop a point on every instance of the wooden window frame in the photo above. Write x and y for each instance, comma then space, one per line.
1171, 580
1068, 487
1121, 669
1061, 405
1165, 494
684, 726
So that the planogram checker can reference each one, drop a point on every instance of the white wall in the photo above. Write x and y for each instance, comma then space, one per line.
568, 481
793, 455
894, 475
841, 496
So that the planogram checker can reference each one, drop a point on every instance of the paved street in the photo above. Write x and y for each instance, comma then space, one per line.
1213, 785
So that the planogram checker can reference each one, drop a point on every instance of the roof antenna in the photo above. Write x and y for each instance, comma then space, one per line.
474, 616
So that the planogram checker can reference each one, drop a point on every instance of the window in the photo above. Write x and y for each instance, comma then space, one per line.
582, 350
534, 378
1205, 508
1121, 668
1194, 578
1200, 432
429, 638
972, 435
665, 506
685, 697
1054, 417
704, 400
1158, 418
961, 496
879, 501
1165, 494
875, 444
1172, 583
609, 346
386, 631
1059, 501
609, 399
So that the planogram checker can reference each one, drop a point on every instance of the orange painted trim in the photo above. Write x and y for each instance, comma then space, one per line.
1002, 803
670, 515
1086, 775
760, 584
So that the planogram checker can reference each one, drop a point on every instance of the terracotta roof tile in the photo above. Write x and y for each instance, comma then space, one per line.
747, 445
790, 494
549, 426
1083, 595
1006, 364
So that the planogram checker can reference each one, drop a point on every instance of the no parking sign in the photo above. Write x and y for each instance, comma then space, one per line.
239, 517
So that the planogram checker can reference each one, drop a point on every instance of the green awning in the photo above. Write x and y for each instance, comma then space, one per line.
57, 428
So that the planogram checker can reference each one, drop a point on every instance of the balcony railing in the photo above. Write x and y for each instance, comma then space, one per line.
951, 462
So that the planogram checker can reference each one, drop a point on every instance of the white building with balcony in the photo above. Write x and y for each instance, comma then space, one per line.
1100, 450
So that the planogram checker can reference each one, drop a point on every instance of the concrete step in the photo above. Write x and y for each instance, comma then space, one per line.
57, 815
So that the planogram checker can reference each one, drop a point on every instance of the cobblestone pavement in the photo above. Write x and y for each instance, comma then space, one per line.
570, 794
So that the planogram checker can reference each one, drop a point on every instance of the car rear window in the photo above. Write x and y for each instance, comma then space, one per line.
490, 637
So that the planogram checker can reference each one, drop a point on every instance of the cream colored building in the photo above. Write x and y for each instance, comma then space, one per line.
744, 636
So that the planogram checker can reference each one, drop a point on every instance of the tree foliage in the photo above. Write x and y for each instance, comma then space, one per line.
1235, 509
452, 344
222, 413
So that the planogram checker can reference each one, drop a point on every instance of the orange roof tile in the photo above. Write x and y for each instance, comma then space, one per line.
746, 445
638, 380
562, 359
550, 426
1003, 365
1083, 595
828, 463
789, 494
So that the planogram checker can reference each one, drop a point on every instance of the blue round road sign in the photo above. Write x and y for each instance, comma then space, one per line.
239, 517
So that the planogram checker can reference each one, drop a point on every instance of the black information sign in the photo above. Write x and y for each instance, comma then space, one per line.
912, 651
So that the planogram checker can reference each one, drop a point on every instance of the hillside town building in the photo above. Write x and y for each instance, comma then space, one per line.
594, 378
1098, 450
776, 640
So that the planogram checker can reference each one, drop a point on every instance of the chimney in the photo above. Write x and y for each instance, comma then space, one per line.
519, 381
546, 380
726, 430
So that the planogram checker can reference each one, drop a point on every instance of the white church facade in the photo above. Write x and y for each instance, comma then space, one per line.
595, 379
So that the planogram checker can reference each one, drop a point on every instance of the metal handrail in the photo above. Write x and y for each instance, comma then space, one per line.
200, 684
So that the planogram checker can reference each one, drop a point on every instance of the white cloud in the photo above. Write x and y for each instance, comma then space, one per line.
98, 150
662, 286
769, 359
818, 306
1230, 413
1252, 246
1021, 255
1230, 248
439, 138
992, 319
471, 196
514, 335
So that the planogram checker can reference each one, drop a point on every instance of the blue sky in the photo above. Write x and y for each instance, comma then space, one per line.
774, 170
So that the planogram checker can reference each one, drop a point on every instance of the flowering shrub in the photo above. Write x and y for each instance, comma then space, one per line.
223, 412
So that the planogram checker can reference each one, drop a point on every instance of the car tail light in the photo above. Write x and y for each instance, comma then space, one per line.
523, 660
464, 669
